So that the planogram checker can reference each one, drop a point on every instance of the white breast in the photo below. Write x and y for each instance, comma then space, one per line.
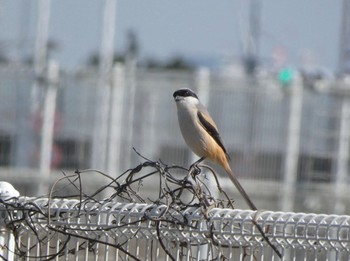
192, 131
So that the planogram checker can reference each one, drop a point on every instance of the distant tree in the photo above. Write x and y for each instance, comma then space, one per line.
132, 45
94, 59
152, 63
131, 50
178, 63
3, 57
52, 45
175, 63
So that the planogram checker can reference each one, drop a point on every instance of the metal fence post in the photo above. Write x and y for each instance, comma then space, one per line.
7, 239
203, 90
203, 84
202, 81
293, 145
48, 120
130, 63
116, 114
342, 156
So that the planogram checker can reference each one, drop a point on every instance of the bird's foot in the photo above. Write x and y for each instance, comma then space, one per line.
194, 170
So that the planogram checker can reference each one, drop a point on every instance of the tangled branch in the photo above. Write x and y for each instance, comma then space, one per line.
179, 189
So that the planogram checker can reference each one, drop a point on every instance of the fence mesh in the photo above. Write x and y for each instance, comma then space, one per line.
120, 231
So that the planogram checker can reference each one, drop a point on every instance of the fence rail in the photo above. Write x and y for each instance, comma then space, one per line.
62, 229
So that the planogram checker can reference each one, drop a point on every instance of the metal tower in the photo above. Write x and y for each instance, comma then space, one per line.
344, 51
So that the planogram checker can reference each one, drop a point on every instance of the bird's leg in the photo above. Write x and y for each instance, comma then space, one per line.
194, 169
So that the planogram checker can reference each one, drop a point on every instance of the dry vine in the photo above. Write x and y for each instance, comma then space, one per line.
126, 188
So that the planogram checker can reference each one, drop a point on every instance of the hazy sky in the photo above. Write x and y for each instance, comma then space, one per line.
195, 28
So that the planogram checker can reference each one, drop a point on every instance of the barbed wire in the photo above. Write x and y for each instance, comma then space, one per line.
179, 189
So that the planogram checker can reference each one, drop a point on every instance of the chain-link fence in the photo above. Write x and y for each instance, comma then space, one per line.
69, 230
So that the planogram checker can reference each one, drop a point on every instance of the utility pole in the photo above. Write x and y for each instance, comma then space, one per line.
40, 51
252, 42
100, 142
38, 91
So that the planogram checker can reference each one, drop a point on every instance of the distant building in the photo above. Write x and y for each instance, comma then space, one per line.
256, 124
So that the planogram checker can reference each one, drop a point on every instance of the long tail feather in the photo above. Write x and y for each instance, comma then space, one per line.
240, 188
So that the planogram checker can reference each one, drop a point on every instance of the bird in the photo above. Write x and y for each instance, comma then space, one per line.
201, 135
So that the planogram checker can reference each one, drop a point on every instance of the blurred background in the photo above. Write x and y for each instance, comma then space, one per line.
83, 82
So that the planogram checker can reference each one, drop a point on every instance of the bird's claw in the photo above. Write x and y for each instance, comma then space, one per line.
195, 170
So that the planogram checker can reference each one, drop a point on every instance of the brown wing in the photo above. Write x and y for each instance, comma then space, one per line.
208, 124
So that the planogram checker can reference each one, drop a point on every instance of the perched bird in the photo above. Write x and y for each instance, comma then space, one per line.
201, 135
